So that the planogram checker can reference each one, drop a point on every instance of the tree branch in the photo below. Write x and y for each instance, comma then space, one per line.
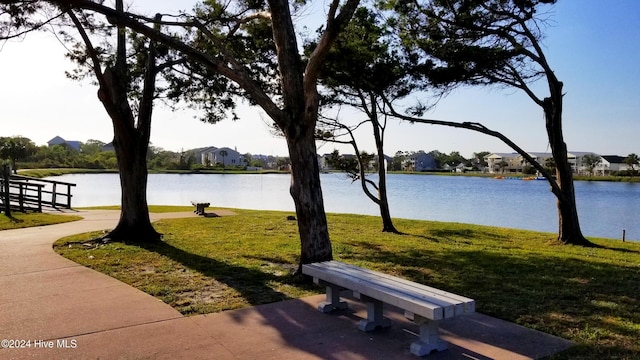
555, 188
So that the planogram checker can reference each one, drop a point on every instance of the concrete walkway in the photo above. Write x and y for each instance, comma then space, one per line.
62, 310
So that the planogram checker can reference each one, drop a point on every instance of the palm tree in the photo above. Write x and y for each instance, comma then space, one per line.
632, 160
502, 165
591, 161
223, 153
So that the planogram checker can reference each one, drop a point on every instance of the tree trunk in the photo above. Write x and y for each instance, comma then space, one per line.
131, 140
385, 214
568, 225
306, 192
134, 224
387, 222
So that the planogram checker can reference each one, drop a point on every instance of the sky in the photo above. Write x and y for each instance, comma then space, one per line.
592, 45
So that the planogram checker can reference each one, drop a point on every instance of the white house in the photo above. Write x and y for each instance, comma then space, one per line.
504, 162
576, 159
610, 164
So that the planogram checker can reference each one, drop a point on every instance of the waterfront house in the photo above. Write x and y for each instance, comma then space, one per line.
419, 161
576, 160
611, 164
71, 144
224, 156
504, 162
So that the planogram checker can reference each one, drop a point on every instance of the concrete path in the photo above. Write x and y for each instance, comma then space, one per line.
57, 309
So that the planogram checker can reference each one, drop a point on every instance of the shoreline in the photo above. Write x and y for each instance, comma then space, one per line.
42, 173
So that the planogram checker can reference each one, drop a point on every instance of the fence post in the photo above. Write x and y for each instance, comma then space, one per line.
21, 191
39, 198
53, 196
6, 174
68, 196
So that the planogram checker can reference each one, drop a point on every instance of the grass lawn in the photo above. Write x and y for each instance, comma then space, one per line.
23, 220
590, 296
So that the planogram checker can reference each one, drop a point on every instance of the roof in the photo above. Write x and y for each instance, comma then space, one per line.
540, 154
502, 155
56, 140
614, 159
581, 153
74, 144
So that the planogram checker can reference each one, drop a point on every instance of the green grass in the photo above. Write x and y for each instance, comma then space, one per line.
152, 208
42, 173
588, 295
23, 220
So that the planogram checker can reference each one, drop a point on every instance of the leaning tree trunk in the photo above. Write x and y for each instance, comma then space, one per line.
385, 214
306, 192
568, 225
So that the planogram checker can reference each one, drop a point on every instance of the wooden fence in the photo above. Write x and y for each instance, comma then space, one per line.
33, 194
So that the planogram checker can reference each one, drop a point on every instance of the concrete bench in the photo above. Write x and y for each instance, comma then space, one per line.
200, 206
422, 304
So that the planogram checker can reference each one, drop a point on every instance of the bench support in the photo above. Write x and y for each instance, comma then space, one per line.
429, 336
332, 301
375, 315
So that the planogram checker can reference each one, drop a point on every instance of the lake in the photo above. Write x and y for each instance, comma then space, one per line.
605, 208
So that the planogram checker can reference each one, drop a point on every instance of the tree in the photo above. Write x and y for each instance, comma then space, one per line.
398, 159
478, 160
454, 159
223, 153
131, 135
91, 147
502, 165
15, 149
550, 164
591, 161
254, 45
495, 42
360, 66
632, 160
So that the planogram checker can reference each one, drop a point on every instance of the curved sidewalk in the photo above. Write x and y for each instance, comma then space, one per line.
64, 310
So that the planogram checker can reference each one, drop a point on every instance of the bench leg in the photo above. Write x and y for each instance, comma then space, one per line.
429, 336
375, 315
333, 300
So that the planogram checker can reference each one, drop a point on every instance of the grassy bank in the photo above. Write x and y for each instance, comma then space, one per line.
42, 173
590, 296
21, 220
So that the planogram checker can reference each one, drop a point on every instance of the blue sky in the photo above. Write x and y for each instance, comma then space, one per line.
591, 45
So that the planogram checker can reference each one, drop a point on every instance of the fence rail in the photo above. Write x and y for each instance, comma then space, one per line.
32, 194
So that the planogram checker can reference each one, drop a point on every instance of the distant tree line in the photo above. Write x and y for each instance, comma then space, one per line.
22, 153
442, 160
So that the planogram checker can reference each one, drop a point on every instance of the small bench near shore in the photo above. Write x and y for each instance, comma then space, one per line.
422, 304
200, 206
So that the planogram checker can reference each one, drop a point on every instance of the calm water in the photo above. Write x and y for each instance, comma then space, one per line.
604, 208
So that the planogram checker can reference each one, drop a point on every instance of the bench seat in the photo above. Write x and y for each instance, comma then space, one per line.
200, 206
422, 304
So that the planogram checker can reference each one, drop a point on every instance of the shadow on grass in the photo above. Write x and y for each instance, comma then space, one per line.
252, 284
13, 219
593, 303
436, 235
